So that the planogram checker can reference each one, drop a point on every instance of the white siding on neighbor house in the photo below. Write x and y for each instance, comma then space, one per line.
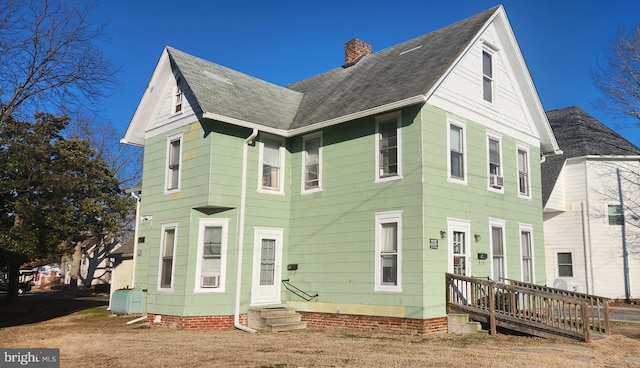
599, 271
563, 233
461, 91
557, 200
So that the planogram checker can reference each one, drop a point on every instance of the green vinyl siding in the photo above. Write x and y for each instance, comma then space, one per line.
330, 233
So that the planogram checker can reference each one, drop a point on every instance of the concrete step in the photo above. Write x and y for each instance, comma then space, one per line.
282, 327
275, 319
461, 324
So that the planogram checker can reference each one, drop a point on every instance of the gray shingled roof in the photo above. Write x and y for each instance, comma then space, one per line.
227, 92
386, 76
376, 80
579, 134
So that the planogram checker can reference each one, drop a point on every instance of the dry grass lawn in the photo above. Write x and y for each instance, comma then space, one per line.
93, 338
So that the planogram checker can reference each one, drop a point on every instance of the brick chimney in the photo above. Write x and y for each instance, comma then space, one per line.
354, 49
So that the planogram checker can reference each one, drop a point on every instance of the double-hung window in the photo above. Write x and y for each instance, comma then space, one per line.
388, 262
456, 152
499, 265
272, 166
615, 216
311, 163
495, 162
523, 173
174, 158
565, 264
167, 254
212, 245
487, 75
388, 147
526, 251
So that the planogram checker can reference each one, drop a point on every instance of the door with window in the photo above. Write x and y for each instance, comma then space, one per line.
267, 266
459, 262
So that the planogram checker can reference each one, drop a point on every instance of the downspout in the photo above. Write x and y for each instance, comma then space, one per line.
243, 199
588, 267
135, 240
625, 253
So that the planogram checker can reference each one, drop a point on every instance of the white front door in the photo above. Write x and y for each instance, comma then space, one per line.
267, 262
459, 255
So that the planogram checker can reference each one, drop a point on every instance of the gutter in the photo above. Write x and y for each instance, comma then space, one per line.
243, 200
323, 124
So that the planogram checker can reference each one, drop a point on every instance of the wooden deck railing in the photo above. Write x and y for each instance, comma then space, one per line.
533, 309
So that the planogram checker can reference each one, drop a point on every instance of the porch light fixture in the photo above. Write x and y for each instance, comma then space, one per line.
443, 234
476, 237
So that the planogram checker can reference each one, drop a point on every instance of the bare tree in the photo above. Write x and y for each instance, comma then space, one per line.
50, 58
619, 77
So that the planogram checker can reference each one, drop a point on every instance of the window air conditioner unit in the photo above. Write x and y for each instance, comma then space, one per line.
496, 181
210, 281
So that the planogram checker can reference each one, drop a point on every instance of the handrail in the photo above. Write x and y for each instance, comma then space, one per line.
527, 307
297, 291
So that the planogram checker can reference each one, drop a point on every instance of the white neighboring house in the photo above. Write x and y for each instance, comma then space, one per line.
591, 199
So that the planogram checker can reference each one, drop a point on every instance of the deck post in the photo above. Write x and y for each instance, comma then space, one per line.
607, 324
492, 309
585, 322
447, 291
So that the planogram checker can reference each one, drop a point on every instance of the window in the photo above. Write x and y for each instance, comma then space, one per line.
311, 161
177, 96
615, 215
565, 264
272, 168
174, 157
526, 250
497, 252
388, 147
456, 151
459, 253
523, 173
494, 156
388, 260
212, 245
168, 241
487, 76
494, 148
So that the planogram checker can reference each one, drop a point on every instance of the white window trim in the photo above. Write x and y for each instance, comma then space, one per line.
460, 226
492, 53
557, 265
380, 219
500, 152
387, 118
527, 228
224, 224
463, 126
167, 178
526, 150
281, 152
501, 224
166, 226
303, 190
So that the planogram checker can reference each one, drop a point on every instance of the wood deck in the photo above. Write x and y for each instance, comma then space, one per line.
533, 309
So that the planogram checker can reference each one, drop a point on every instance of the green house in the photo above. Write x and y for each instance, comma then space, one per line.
346, 196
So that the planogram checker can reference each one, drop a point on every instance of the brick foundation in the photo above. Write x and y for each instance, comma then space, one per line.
195, 323
387, 325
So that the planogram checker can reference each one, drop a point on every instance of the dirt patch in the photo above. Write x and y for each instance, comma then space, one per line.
91, 337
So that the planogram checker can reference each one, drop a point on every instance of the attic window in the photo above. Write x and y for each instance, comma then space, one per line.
487, 76
177, 96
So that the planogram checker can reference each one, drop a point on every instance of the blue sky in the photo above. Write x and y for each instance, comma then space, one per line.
286, 41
